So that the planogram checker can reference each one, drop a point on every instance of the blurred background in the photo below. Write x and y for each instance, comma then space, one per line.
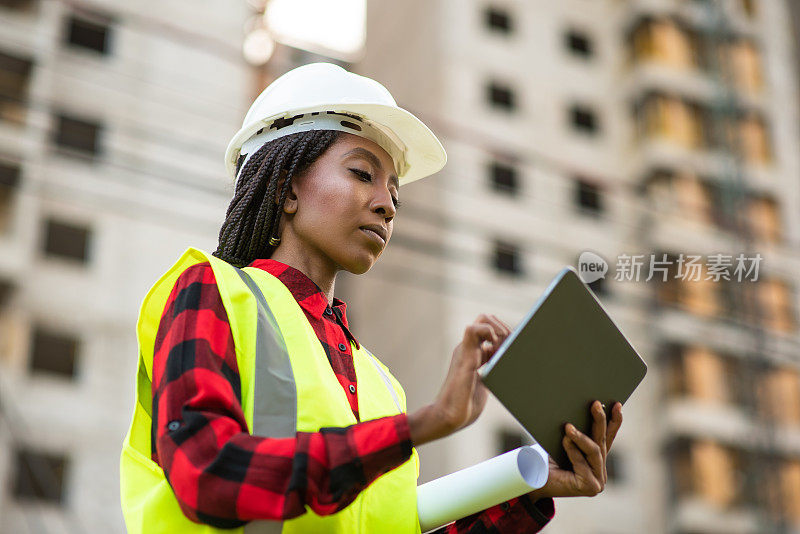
636, 127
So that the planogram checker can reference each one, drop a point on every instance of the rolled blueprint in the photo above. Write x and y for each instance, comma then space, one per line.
481, 486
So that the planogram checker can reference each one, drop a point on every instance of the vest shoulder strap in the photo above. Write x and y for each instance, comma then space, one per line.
154, 301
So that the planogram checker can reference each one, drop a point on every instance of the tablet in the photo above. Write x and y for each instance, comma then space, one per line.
565, 354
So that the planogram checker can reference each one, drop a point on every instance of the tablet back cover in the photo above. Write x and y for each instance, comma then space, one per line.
565, 354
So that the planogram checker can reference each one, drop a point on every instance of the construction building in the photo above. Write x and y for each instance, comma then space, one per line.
652, 128
114, 117
658, 129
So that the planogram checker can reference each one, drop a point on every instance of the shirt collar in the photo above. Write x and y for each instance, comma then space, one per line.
307, 294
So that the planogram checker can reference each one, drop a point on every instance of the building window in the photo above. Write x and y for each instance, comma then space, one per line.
507, 258
664, 41
579, 44
508, 440
77, 134
703, 375
501, 96
754, 141
789, 476
16, 4
7, 288
598, 287
687, 197
66, 240
764, 218
39, 476
709, 471
503, 178
780, 398
588, 197
750, 8
744, 65
497, 19
583, 119
774, 300
614, 467
9, 181
691, 291
87, 34
673, 119
9, 174
53, 352
15, 74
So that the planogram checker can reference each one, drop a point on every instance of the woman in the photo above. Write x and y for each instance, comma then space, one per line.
256, 406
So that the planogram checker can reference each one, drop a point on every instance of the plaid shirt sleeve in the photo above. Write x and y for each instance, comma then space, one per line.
222, 475
520, 515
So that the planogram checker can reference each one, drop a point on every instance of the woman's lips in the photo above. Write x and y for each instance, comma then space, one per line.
374, 235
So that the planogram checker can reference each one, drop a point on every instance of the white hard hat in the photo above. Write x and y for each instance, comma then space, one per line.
324, 96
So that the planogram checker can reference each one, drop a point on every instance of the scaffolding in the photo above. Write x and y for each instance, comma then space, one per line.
762, 467
716, 29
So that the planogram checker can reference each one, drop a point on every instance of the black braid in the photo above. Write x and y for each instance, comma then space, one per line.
253, 216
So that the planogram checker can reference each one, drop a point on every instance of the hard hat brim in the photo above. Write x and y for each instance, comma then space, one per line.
424, 153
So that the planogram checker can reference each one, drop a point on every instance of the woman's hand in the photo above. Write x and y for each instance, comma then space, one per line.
588, 457
463, 396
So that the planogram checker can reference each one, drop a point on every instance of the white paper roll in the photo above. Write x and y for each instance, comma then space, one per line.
481, 486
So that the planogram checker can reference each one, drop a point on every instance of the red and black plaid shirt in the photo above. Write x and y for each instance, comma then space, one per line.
225, 477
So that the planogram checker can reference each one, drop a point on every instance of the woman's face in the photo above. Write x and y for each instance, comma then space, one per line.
349, 189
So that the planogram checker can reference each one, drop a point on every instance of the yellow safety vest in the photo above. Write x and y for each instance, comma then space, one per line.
287, 386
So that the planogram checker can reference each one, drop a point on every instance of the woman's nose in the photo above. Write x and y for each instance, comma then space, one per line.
383, 204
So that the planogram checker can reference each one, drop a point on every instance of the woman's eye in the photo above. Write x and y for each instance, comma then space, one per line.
364, 175
367, 177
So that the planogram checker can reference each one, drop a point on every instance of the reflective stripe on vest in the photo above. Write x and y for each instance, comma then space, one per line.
273, 344
275, 393
385, 380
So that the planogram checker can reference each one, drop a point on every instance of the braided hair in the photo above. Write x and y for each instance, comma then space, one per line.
253, 215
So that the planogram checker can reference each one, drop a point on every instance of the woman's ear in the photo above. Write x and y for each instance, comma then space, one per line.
290, 204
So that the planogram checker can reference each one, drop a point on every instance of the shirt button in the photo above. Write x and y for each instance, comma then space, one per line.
173, 425
328, 311
504, 506
342, 347
352, 388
